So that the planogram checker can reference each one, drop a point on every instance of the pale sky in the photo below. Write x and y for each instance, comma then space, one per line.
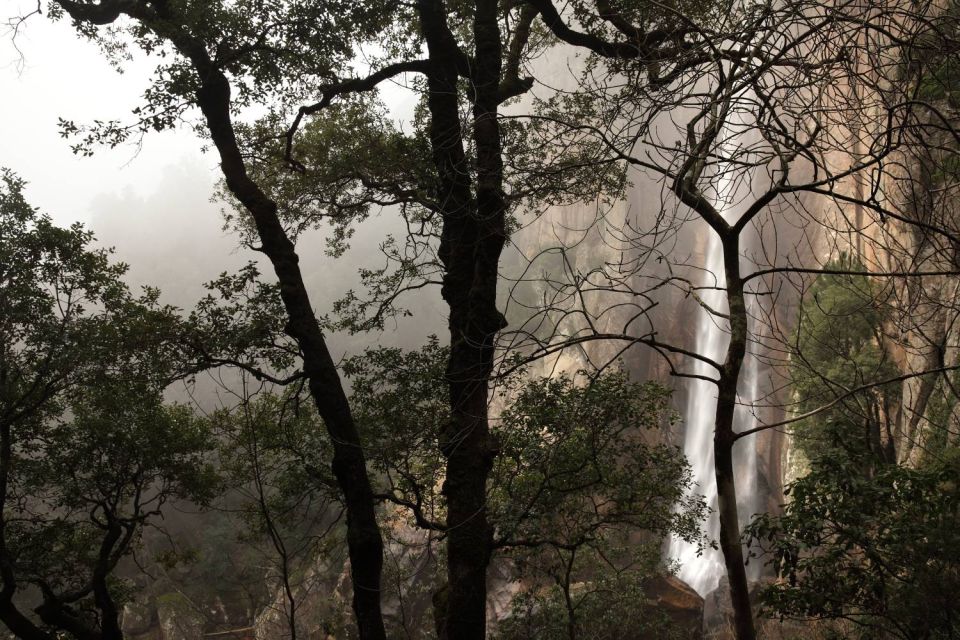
152, 204
56, 74
49, 72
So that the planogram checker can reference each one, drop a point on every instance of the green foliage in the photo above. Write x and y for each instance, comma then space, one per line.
353, 161
570, 445
275, 52
881, 553
275, 455
595, 17
67, 319
933, 64
401, 406
566, 445
576, 482
117, 460
611, 605
354, 158
939, 81
199, 556
866, 545
284, 503
940, 412
582, 502
838, 349
242, 322
89, 452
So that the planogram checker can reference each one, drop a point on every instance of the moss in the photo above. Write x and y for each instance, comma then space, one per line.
174, 600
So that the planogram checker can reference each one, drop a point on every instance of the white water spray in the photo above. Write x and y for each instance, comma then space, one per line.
704, 571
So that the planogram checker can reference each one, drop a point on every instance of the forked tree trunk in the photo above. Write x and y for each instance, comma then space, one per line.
472, 239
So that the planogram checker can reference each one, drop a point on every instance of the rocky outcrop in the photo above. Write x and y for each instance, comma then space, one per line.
320, 608
178, 619
140, 622
671, 596
169, 617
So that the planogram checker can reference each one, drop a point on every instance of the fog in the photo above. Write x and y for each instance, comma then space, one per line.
151, 199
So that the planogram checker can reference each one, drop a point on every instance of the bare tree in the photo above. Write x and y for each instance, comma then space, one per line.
786, 119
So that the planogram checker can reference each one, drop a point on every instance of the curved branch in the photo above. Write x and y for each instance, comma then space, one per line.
840, 398
353, 85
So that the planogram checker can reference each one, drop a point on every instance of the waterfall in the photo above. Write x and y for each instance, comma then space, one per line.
703, 572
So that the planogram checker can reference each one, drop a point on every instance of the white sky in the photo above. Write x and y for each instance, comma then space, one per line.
56, 74
49, 72
153, 205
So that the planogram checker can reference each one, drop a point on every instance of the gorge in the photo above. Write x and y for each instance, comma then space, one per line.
567, 317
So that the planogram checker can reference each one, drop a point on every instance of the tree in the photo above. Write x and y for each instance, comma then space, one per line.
583, 501
764, 109
226, 56
839, 345
865, 539
89, 453
464, 183
468, 197
583, 489
272, 454
776, 91
877, 552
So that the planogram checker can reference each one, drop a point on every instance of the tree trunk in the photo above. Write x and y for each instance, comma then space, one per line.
349, 464
364, 541
109, 614
471, 242
724, 438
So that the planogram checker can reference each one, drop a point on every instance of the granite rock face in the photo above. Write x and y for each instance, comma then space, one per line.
179, 620
677, 600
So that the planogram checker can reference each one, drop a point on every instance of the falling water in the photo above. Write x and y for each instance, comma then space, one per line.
704, 571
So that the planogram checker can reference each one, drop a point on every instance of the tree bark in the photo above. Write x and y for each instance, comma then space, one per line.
724, 438
109, 614
472, 239
364, 541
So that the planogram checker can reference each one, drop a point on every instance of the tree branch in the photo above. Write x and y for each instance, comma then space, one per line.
353, 85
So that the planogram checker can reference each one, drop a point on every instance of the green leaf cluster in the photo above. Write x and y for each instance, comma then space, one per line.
582, 489
90, 453
838, 348
877, 557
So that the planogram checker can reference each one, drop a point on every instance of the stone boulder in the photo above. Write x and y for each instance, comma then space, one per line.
179, 619
671, 596
139, 621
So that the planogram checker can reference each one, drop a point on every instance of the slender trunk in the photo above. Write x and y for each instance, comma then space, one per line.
349, 464
568, 597
912, 443
724, 438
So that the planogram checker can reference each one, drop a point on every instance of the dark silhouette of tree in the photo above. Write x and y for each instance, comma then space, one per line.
740, 111
89, 453
228, 55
